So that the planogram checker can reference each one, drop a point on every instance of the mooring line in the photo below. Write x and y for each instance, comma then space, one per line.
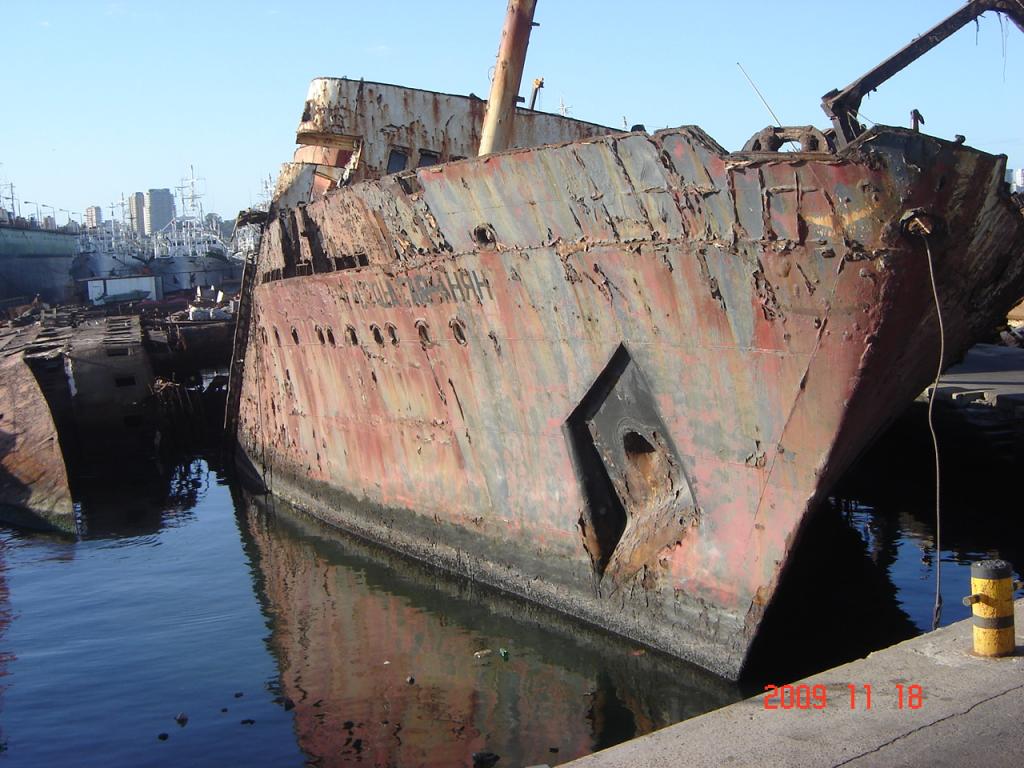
937, 610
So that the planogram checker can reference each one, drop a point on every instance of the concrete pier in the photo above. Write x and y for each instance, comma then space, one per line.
990, 375
970, 713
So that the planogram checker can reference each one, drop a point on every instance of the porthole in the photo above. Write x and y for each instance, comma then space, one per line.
295, 335
484, 235
377, 335
320, 334
458, 330
392, 333
424, 331
350, 334
330, 337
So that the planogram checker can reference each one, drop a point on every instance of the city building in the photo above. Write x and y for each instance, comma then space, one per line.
1016, 179
93, 216
137, 212
159, 209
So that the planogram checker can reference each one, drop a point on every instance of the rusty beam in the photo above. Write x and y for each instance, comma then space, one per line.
508, 76
842, 106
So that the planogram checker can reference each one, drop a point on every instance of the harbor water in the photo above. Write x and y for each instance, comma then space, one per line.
194, 624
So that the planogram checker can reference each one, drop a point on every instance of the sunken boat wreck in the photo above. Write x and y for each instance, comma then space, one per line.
611, 372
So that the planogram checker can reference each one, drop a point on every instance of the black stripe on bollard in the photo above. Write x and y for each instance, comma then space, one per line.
999, 622
991, 569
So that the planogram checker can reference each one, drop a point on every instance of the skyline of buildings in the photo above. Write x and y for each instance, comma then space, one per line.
145, 213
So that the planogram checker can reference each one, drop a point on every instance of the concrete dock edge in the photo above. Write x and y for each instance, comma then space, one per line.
971, 712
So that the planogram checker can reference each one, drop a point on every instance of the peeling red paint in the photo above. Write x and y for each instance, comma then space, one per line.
769, 305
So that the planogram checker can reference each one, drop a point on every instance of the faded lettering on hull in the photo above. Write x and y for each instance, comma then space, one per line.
428, 391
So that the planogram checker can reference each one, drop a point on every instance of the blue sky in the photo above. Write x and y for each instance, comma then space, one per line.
103, 98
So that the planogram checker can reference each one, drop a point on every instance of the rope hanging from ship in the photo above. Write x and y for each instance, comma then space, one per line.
920, 224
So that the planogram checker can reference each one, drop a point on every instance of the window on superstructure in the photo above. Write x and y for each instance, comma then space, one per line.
398, 159
427, 157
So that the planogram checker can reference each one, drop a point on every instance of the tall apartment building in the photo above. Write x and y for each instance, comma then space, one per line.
137, 212
159, 209
1016, 179
93, 216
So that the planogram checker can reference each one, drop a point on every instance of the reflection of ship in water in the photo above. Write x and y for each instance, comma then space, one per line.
6, 657
148, 498
352, 623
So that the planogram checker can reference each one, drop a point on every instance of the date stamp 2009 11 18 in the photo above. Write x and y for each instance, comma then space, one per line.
816, 696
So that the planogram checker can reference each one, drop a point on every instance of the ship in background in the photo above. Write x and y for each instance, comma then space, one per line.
611, 372
56, 264
35, 261
186, 253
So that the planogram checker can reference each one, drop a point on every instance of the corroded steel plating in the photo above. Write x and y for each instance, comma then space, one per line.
613, 375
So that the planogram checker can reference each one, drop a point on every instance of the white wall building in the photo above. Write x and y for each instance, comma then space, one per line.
137, 212
1017, 179
93, 216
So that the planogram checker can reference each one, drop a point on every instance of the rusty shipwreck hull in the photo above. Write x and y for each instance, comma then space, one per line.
34, 488
74, 402
614, 375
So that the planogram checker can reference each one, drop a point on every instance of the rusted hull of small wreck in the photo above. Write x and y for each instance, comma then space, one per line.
614, 375
74, 400
34, 488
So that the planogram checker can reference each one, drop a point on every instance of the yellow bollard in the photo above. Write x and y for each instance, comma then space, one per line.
992, 605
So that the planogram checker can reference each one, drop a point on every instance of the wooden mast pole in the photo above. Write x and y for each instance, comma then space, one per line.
508, 76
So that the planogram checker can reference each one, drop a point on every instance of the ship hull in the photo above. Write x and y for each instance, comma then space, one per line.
176, 273
36, 262
34, 487
614, 376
